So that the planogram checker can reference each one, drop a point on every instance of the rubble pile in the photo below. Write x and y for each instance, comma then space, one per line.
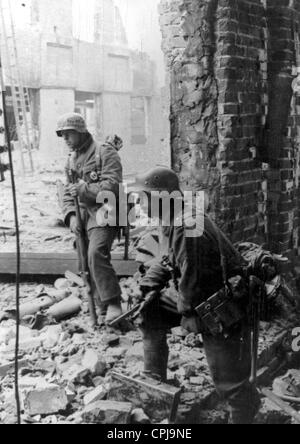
38, 212
66, 366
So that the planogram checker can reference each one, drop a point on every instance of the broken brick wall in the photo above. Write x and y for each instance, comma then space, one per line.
234, 114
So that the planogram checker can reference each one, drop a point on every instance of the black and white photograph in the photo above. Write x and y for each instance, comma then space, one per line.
149, 215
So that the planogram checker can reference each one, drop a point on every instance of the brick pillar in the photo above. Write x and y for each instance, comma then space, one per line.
233, 112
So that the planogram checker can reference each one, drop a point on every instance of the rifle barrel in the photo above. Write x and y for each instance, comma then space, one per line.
82, 256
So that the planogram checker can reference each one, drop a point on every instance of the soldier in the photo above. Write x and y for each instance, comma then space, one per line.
195, 263
98, 168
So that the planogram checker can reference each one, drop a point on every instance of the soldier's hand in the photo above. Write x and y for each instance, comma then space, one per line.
73, 190
74, 226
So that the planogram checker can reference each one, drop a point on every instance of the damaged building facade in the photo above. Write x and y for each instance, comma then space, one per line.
112, 86
235, 112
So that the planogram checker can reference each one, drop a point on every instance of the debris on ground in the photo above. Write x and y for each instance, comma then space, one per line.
66, 367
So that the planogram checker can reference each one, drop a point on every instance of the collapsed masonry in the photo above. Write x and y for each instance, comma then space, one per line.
235, 112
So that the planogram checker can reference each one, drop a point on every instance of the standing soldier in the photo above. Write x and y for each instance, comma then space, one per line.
97, 169
196, 264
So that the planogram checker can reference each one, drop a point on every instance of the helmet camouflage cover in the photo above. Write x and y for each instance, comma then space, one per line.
157, 179
71, 121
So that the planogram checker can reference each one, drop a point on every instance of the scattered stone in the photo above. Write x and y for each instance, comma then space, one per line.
289, 384
94, 363
78, 375
107, 412
180, 332
98, 381
138, 416
78, 339
9, 367
51, 336
45, 400
175, 364
29, 344
271, 414
198, 380
30, 382
70, 392
118, 352
98, 394
158, 400
135, 354
45, 366
194, 341
63, 284
110, 340
190, 370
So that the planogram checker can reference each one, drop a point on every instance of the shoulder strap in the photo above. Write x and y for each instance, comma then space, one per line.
98, 157
223, 258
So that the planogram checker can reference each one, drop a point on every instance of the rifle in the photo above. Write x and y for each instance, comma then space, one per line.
255, 289
137, 309
3, 167
81, 243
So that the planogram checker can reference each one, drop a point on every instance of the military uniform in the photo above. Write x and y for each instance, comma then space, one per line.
196, 268
101, 170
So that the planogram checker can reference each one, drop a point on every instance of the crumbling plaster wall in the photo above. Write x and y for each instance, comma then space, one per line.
234, 115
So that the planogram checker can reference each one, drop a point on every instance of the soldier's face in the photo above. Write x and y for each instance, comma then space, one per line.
72, 139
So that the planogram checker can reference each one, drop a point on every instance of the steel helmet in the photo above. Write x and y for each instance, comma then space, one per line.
157, 179
71, 121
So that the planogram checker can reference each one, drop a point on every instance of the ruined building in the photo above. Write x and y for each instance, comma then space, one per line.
235, 112
102, 78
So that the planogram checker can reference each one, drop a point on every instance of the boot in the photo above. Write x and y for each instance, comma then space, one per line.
114, 311
156, 353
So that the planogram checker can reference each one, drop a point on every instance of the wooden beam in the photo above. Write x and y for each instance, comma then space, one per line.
56, 264
159, 401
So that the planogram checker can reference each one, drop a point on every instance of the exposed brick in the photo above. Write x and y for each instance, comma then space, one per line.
240, 55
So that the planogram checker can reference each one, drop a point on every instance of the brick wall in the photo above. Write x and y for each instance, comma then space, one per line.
234, 114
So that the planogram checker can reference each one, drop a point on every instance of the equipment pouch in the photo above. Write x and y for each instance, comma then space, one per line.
220, 313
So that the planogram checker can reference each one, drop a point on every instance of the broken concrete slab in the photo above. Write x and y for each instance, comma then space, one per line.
28, 344
98, 394
107, 412
26, 382
78, 374
51, 336
45, 400
94, 363
9, 367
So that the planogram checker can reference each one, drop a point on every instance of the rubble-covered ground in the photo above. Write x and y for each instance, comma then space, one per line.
65, 368
78, 360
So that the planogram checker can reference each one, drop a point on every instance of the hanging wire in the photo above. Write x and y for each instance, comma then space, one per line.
18, 269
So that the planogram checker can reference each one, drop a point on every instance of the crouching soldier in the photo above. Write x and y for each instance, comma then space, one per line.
198, 262
97, 169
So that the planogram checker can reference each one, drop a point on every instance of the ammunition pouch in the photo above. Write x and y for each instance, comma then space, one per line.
222, 312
